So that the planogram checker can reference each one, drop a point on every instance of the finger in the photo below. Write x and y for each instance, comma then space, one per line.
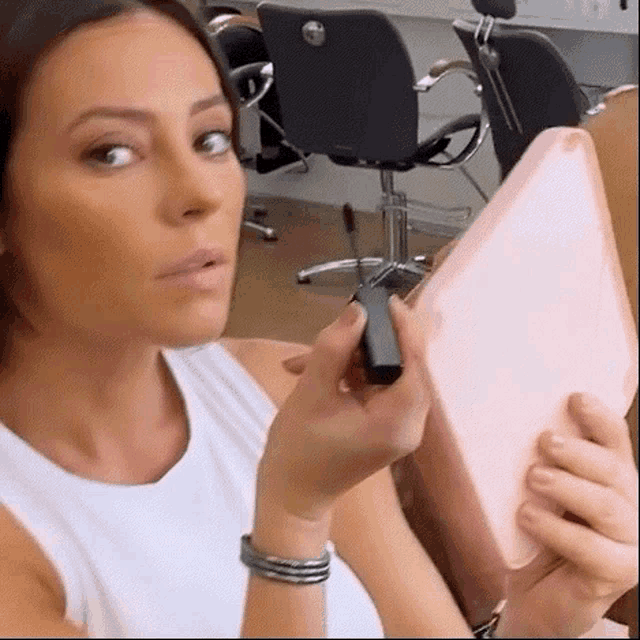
408, 395
590, 461
443, 253
334, 346
411, 337
355, 376
412, 297
604, 509
589, 550
600, 423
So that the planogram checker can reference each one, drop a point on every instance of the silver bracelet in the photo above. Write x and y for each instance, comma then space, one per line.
308, 571
488, 629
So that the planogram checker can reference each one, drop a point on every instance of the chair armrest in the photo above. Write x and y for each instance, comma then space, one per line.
261, 70
439, 70
477, 121
443, 68
228, 20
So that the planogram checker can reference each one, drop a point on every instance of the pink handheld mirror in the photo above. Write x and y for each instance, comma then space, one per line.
529, 307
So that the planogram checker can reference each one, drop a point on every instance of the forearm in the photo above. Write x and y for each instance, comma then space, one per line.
281, 609
373, 537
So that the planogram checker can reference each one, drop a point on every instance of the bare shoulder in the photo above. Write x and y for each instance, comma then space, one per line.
31, 591
263, 359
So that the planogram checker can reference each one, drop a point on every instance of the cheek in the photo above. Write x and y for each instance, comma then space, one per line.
238, 187
74, 245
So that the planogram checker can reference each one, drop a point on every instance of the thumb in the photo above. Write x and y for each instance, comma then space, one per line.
335, 344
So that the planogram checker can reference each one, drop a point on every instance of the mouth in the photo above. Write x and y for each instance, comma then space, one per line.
205, 270
199, 261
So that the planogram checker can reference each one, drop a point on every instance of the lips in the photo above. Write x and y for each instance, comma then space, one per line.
194, 262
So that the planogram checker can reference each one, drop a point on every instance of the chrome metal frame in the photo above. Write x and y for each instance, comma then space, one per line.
396, 270
263, 70
490, 60
442, 69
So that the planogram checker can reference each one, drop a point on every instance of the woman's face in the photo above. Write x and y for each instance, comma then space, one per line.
122, 167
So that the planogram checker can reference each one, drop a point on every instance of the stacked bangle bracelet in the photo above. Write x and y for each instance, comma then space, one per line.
488, 629
315, 570
309, 571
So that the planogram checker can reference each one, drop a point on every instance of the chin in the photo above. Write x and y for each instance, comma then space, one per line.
193, 332
200, 334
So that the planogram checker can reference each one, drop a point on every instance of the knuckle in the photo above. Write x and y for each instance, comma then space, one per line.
614, 471
409, 396
606, 508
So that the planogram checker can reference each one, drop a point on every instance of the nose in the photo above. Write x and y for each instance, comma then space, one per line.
194, 187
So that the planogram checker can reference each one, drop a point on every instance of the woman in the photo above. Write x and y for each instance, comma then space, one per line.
130, 462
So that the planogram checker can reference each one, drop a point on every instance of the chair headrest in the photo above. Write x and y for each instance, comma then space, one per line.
496, 8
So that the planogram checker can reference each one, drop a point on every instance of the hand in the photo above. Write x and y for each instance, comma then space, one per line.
591, 554
354, 375
328, 436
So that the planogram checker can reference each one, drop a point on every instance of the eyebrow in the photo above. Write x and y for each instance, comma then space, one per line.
142, 116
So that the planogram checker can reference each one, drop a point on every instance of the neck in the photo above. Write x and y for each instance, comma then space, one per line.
86, 396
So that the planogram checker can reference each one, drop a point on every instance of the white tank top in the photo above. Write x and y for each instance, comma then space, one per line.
162, 559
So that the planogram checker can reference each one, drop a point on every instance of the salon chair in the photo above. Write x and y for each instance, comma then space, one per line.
347, 90
527, 85
263, 145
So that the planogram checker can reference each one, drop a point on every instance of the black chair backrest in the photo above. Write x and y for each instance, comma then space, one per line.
542, 87
351, 96
497, 8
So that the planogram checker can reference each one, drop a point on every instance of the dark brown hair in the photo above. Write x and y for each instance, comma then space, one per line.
28, 29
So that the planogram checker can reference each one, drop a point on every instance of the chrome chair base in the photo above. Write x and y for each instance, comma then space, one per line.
398, 272
268, 233
395, 277
399, 278
348, 265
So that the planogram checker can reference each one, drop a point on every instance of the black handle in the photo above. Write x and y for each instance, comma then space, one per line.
383, 361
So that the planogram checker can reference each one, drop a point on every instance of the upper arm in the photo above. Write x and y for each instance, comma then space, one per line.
31, 594
373, 537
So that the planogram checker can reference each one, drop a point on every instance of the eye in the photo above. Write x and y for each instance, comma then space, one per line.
214, 143
112, 155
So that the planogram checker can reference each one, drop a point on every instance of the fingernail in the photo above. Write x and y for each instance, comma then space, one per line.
528, 513
588, 403
395, 299
556, 442
541, 477
584, 402
352, 313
